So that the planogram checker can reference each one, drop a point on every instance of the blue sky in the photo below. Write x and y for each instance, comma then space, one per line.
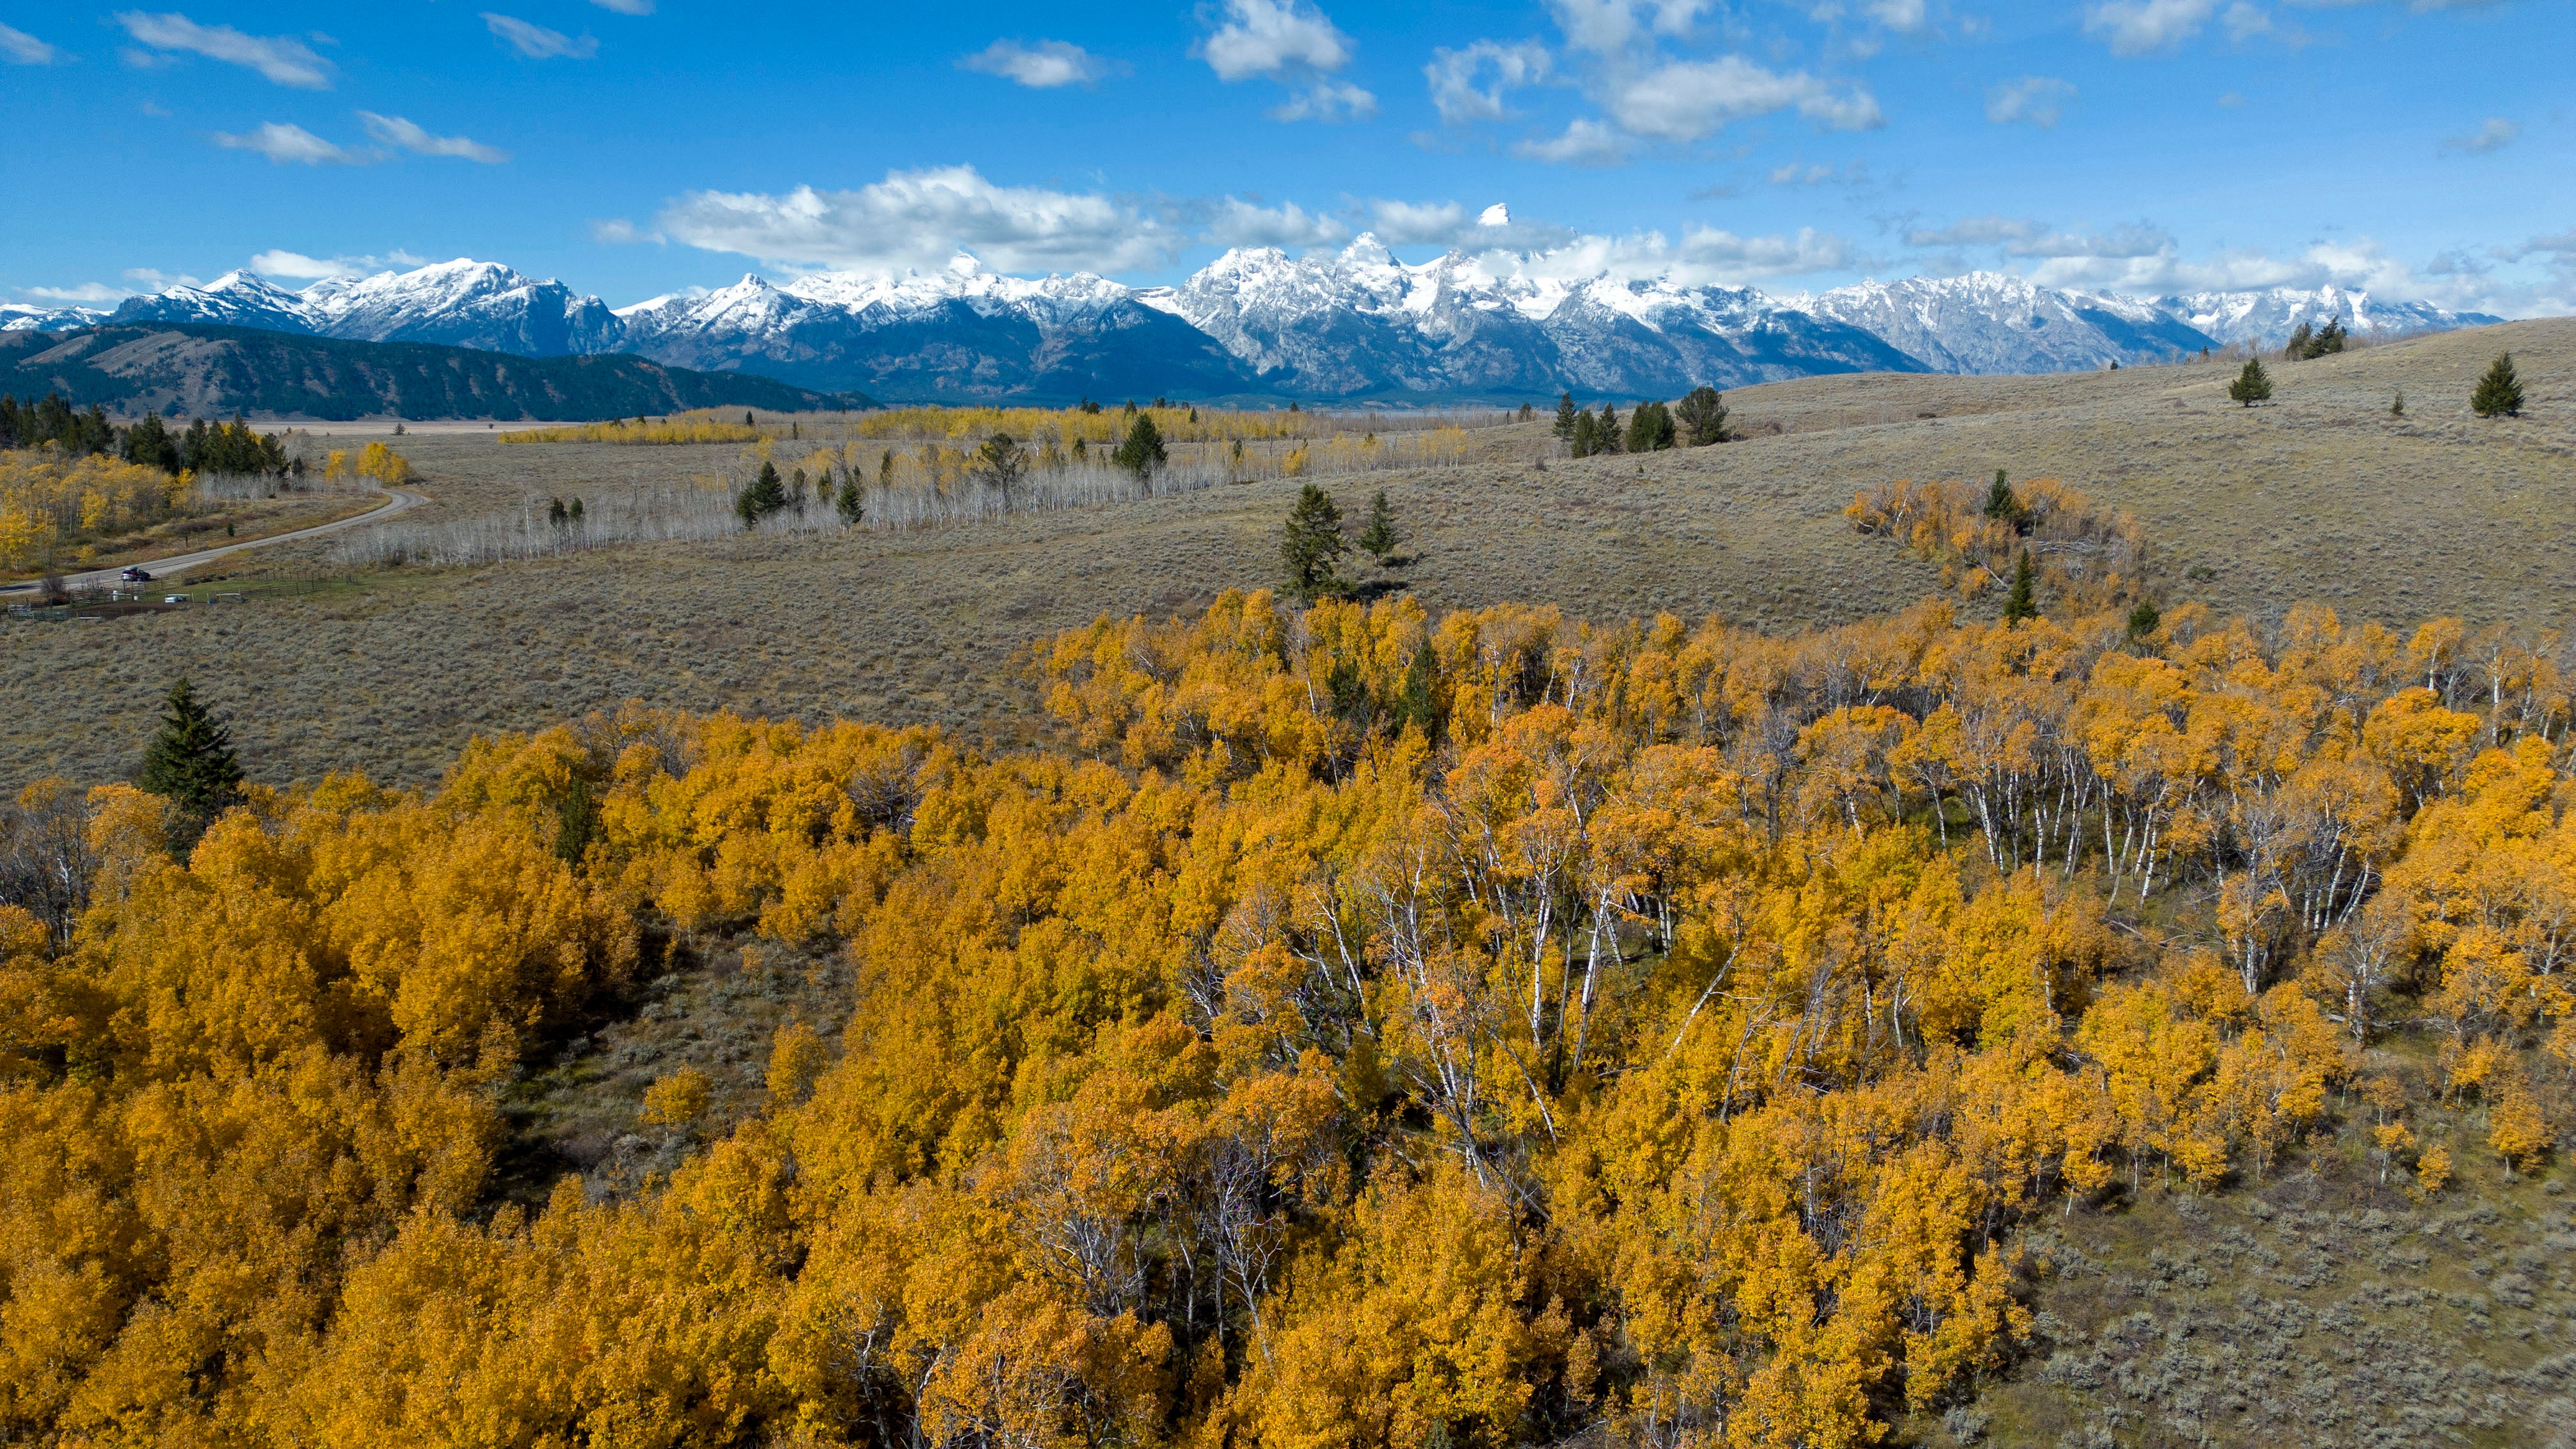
631, 147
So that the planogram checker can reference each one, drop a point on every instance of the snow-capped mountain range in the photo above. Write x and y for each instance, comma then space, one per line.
1257, 322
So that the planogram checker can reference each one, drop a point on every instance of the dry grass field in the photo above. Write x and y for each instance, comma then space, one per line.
2321, 495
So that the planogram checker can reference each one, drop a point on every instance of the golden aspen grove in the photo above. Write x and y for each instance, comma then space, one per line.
1354, 1028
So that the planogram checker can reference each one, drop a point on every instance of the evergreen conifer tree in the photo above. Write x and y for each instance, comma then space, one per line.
2023, 602
2001, 505
1585, 438
1702, 415
1650, 428
1565, 416
1312, 547
2297, 347
2253, 385
2330, 340
190, 763
765, 496
2397, 404
2499, 393
847, 502
1379, 538
1143, 451
2143, 620
1605, 439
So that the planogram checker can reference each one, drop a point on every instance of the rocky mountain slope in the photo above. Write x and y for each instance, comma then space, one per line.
1257, 323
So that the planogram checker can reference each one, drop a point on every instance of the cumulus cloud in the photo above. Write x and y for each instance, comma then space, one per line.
1238, 223
1274, 38
1906, 17
2037, 99
1692, 100
1585, 142
86, 294
1705, 256
1855, 173
2028, 237
1327, 101
284, 144
2138, 27
1468, 84
2495, 135
918, 220
282, 60
296, 266
626, 7
24, 49
404, 135
619, 232
1043, 66
1607, 27
536, 42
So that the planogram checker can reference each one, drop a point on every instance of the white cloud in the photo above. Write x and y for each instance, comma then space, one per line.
538, 43
1710, 256
2037, 99
2136, 27
1454, 75
1604, 27
2495, 135
918, 220
86, 294
282, 144
1043, 66
1274, 38
25, 49
1976, 231
626, 7
1855, 173
152, 280
1237, 223
1585, 142
400, 133
619, 232
296, 266
285, 61
1326, 101
1691, 100
1903, 16
1412, 223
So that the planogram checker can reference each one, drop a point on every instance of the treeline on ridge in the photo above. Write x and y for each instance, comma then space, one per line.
1357, 1029
193, 367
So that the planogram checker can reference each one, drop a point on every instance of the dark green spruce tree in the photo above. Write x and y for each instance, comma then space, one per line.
2143, 619
2022, 604
765, 496
1143, 452
1702, 415
1379, 537
1565, 416
2253, 385
190, 763
2499, 393
1311, 548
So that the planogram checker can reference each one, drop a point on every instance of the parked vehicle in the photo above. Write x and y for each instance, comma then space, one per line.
135, 576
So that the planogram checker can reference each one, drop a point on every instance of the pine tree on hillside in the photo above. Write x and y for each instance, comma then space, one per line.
1565, 416
2253, 385
2499, 393
1312, 546
2297, 347
2001, 504
1143, 451
1702, 415
1650, 428
191, 764
1379, 538
2023, 602
765, 496
847, 501
1584, 439
2143, 619
1606, 438
2331, 340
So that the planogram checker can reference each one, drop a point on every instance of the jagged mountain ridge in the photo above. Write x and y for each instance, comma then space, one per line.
1255, 323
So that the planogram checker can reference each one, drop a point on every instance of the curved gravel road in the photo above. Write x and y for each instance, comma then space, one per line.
397, 500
